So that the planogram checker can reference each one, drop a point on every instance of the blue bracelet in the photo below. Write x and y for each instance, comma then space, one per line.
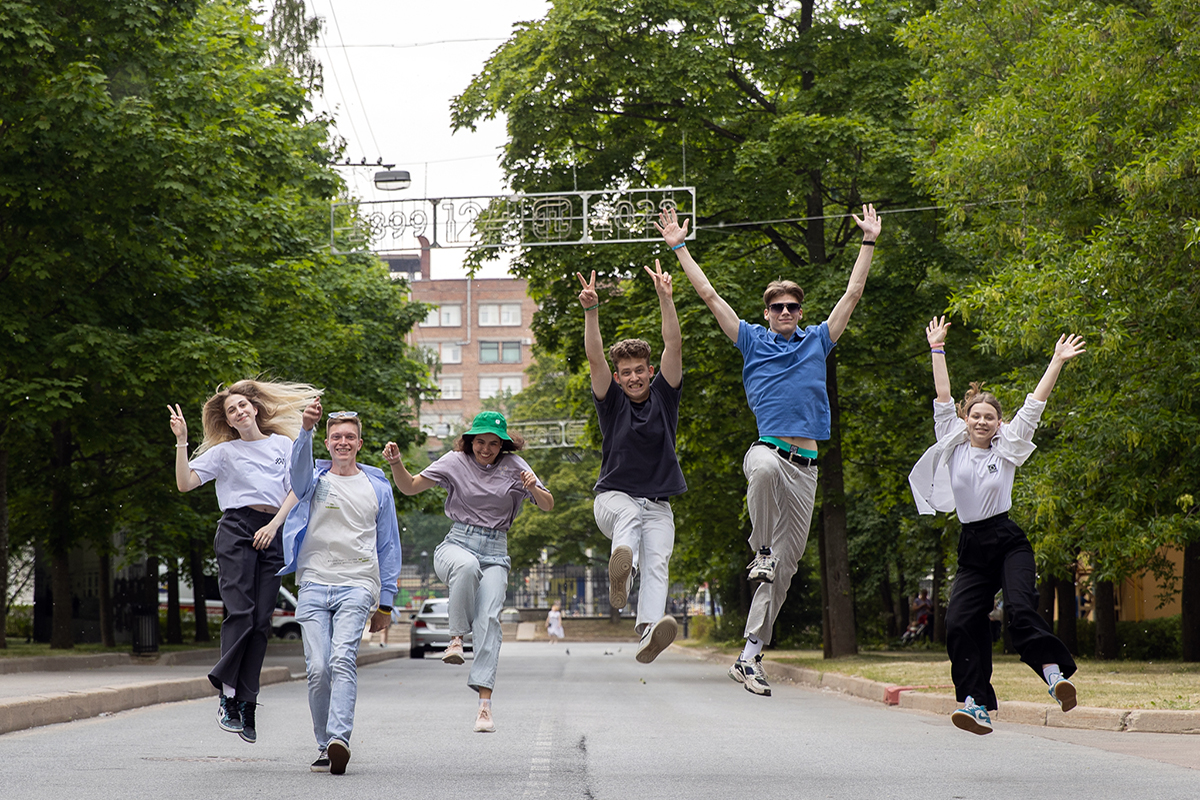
681, 244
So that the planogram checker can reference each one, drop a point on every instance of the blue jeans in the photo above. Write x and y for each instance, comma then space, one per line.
473, 562
332, 619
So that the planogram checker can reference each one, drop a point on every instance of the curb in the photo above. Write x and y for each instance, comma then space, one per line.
1022, 713
54, 707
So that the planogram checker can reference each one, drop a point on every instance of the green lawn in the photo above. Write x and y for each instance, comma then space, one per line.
1102, 684
19, 647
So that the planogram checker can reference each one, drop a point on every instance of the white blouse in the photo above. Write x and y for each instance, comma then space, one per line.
976, 481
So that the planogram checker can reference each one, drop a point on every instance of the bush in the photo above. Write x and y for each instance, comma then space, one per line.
20, 623
1147, 640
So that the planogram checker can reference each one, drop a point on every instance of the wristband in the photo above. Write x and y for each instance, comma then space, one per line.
868, 242
385, 609
941, 352
185, 444
592, 308
681, 244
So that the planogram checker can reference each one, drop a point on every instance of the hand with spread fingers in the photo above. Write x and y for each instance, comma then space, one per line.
668, 225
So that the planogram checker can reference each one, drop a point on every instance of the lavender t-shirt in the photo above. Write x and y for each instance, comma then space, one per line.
489, 497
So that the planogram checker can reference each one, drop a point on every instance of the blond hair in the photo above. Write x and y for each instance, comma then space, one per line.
976, 395
279, 407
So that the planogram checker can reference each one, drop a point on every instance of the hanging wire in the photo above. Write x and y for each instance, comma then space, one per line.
720, 225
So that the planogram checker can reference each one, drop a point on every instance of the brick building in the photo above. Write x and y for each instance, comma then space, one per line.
479, 331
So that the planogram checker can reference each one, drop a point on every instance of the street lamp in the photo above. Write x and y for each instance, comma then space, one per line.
392, 180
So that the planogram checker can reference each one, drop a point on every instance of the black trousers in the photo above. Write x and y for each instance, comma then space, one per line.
994, 554
249, 590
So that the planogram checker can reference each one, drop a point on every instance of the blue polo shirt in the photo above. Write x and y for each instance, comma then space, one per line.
785, 379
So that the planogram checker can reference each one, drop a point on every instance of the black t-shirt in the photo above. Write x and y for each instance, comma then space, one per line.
638, 455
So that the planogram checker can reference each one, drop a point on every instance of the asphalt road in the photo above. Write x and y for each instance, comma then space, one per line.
586, 725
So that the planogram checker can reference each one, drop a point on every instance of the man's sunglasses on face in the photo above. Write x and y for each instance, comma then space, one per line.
777, 308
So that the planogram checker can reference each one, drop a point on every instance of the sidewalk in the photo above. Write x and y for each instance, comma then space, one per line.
48, 689
1037, 714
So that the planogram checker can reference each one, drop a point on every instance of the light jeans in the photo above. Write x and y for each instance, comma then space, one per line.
473, 562
647, 527
779, 497
332, 619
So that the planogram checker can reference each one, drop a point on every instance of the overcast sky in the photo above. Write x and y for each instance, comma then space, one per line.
391, 68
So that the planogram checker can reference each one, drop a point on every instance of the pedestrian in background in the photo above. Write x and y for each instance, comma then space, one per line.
554, 626
486, 485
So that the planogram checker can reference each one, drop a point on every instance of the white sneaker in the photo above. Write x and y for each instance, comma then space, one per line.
339, 756
656, 638
620, 576
751, 675
484, 722
454, 652
762, 568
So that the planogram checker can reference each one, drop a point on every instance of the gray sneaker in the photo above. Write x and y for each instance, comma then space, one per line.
620, 576
751, 675
656, 638
762, 568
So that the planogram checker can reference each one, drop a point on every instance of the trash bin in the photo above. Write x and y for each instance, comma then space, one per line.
145, 631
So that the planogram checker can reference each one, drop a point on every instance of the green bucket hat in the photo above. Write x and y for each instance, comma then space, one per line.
489, 422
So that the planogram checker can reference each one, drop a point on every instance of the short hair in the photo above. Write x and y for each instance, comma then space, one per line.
355, 420
630, 350
782, 287
976, 395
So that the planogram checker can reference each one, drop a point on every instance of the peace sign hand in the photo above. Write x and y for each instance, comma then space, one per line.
662, 280
178, 423
588, 297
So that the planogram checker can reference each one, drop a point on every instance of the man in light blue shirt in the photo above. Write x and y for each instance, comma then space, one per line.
343, 541
784, 376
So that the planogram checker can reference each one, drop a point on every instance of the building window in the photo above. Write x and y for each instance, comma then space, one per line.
500, 314
491, 386
499, 352
451, 388
511, 385
451, 353
433, 318
451, 316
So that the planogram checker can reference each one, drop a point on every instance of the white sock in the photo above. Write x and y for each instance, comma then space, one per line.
228, 690
485, 703
1050, 670
753, 647
970, 701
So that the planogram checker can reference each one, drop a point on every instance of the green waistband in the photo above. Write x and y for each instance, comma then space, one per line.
787, 448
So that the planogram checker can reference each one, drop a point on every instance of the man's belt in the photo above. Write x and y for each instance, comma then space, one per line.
795, 458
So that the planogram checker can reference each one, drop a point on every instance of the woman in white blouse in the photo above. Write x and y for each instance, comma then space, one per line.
970, 470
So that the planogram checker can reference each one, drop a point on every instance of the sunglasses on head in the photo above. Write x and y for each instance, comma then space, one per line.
343, 415
777, 308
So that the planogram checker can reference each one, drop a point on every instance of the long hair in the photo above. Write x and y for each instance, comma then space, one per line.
279, 407
975, 395
463, 444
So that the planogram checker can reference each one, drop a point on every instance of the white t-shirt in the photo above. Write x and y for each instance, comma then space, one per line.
339, 548
248, 473
982, 479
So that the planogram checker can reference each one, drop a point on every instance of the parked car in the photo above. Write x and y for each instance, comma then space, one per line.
283, 621
431, 628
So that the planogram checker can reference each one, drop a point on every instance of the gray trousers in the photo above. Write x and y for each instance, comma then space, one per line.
249, 589
473, 562
779, 497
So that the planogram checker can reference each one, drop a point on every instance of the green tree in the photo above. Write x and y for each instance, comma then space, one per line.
788, 117
1076, 122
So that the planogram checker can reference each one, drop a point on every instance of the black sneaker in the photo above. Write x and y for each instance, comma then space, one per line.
339, 756
247, 731
322, 762
228, 716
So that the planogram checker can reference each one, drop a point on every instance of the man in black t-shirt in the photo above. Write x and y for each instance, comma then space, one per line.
639, 473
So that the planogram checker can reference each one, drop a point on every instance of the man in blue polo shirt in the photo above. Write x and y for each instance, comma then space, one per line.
639, 473
784, 375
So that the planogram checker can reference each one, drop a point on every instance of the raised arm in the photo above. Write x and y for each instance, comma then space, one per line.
185, 477
935, 333
871, 225
593, 343
541, 497
675, 236
406, 482
672, 355
1068, 346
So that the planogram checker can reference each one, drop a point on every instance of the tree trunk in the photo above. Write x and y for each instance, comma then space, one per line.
174, 622
61, 635
196, 562
935, 592
1106, 620
1190, 598
1068, 628
885, 606
108, 636
823, 561
3, 541
1046, 600
842, 636
902, 609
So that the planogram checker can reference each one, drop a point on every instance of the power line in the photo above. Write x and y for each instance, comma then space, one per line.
720, 225
353, 80
415, 44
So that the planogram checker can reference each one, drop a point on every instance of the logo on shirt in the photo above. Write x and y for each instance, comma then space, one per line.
279, 462
992, 468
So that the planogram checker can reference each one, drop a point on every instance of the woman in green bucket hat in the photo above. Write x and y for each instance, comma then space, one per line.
486, 485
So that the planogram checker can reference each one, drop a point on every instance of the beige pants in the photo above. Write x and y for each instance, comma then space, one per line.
779, 497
